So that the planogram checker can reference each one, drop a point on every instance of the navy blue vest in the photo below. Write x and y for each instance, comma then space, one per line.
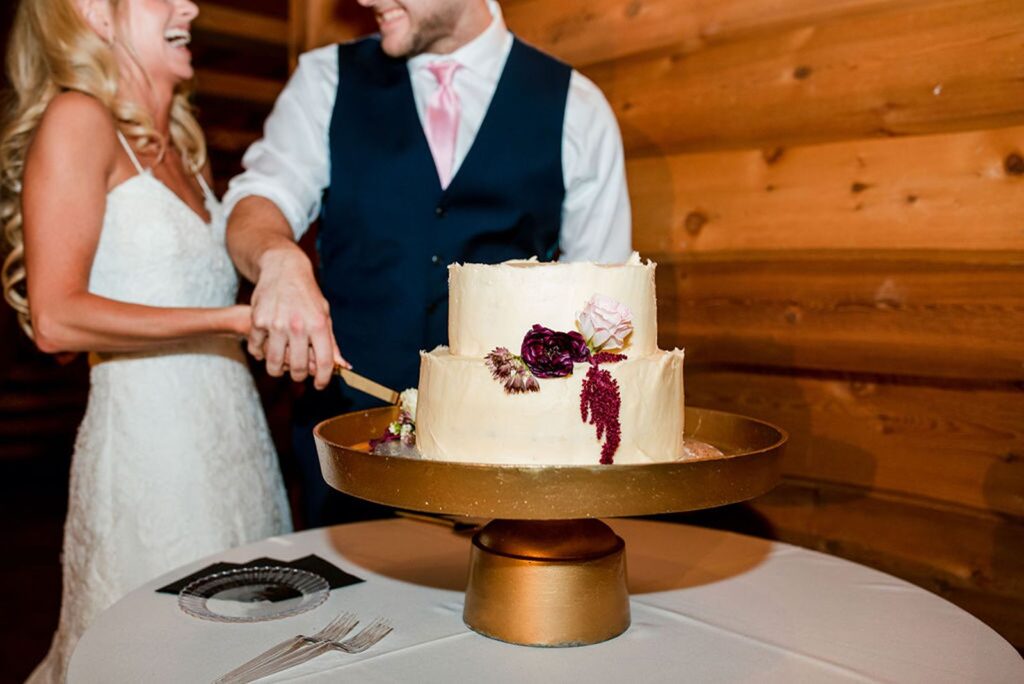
388, 230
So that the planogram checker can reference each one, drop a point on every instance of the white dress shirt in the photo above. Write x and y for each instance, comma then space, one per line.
290, 165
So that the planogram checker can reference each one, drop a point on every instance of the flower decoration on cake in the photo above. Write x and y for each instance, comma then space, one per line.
512, 371
605, 324
551, 354
402, 430
600, 403
604, 328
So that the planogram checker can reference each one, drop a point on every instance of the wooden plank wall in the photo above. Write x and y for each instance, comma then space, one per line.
834, 191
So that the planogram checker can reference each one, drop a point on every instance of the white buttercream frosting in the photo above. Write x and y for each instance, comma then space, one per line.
464, 414
494, 306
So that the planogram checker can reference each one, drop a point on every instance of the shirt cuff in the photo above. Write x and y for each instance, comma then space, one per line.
240, 188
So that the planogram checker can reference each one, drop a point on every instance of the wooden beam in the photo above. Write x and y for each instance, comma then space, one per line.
928, 67
237, 86
953, 443
225, 20
321, 22
959, 191
585, 32
915, 314
230, 140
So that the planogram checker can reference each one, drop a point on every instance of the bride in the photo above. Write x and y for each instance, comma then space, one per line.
117, 248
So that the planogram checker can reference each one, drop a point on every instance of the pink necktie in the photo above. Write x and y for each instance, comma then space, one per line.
443, 119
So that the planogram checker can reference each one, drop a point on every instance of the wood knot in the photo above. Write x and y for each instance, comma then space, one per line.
1014, 164
979, 578
885, 425
773, 155
911, 199
857, 186
633, 8
1010, 457
861, 388
802, 72
694, 221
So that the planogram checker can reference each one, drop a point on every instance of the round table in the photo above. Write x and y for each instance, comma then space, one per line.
707, 606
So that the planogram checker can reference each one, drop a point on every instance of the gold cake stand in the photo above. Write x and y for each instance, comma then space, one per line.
545, 571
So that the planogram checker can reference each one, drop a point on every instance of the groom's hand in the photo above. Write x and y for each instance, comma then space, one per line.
291, 320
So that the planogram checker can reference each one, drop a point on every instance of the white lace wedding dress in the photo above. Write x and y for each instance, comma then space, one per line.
173, 460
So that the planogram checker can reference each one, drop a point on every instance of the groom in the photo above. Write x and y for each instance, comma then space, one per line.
444, 139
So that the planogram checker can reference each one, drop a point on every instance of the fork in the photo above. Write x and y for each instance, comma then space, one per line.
335, 629
366, 638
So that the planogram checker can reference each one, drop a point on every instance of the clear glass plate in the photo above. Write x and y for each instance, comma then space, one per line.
253, 594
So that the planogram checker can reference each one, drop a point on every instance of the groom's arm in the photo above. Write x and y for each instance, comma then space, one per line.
596, 221
270, 206
290, 315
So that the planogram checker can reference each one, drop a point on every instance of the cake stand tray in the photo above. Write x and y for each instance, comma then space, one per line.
750, 467
544, 571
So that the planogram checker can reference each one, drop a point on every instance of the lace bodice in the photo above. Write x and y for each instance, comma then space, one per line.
154, 249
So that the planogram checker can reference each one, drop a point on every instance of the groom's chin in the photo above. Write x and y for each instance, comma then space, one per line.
397, 46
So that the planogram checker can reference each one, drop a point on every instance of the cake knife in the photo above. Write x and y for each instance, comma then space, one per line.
364, 384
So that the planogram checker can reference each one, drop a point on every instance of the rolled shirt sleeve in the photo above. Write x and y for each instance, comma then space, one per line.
596, 220
289, 165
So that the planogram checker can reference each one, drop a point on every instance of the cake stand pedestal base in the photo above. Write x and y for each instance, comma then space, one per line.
547, 582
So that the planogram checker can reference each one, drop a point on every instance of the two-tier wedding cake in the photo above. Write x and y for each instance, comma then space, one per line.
554, 364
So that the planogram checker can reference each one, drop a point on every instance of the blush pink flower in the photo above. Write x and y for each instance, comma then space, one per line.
605, 324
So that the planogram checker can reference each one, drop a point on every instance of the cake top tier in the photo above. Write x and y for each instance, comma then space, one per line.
496, 305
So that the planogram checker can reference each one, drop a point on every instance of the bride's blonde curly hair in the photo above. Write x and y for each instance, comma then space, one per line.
53, 50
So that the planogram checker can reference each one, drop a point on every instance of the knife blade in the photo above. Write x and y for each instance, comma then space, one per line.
364, 384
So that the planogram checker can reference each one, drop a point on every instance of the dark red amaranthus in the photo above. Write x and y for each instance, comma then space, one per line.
600, 403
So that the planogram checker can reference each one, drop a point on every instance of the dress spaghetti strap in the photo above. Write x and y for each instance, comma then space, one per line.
205, 186
131, 153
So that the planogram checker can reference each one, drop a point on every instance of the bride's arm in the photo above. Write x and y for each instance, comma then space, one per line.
68, 170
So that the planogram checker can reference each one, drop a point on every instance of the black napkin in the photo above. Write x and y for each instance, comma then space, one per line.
336, 577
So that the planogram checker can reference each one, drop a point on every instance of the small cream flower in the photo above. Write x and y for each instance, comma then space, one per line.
407, 401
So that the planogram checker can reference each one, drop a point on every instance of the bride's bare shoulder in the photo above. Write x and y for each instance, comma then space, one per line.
77, 124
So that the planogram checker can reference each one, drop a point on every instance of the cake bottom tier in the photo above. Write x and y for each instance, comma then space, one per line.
463, 414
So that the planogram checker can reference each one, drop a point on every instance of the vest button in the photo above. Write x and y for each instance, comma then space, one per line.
440, 212
435, 259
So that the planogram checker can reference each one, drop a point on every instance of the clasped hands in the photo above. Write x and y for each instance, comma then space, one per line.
291, 324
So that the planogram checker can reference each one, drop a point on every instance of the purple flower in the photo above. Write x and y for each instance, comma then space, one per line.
522, 381
512, 371
550, 354
501, 362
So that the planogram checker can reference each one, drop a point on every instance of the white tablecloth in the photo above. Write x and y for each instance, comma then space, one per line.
707, 606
